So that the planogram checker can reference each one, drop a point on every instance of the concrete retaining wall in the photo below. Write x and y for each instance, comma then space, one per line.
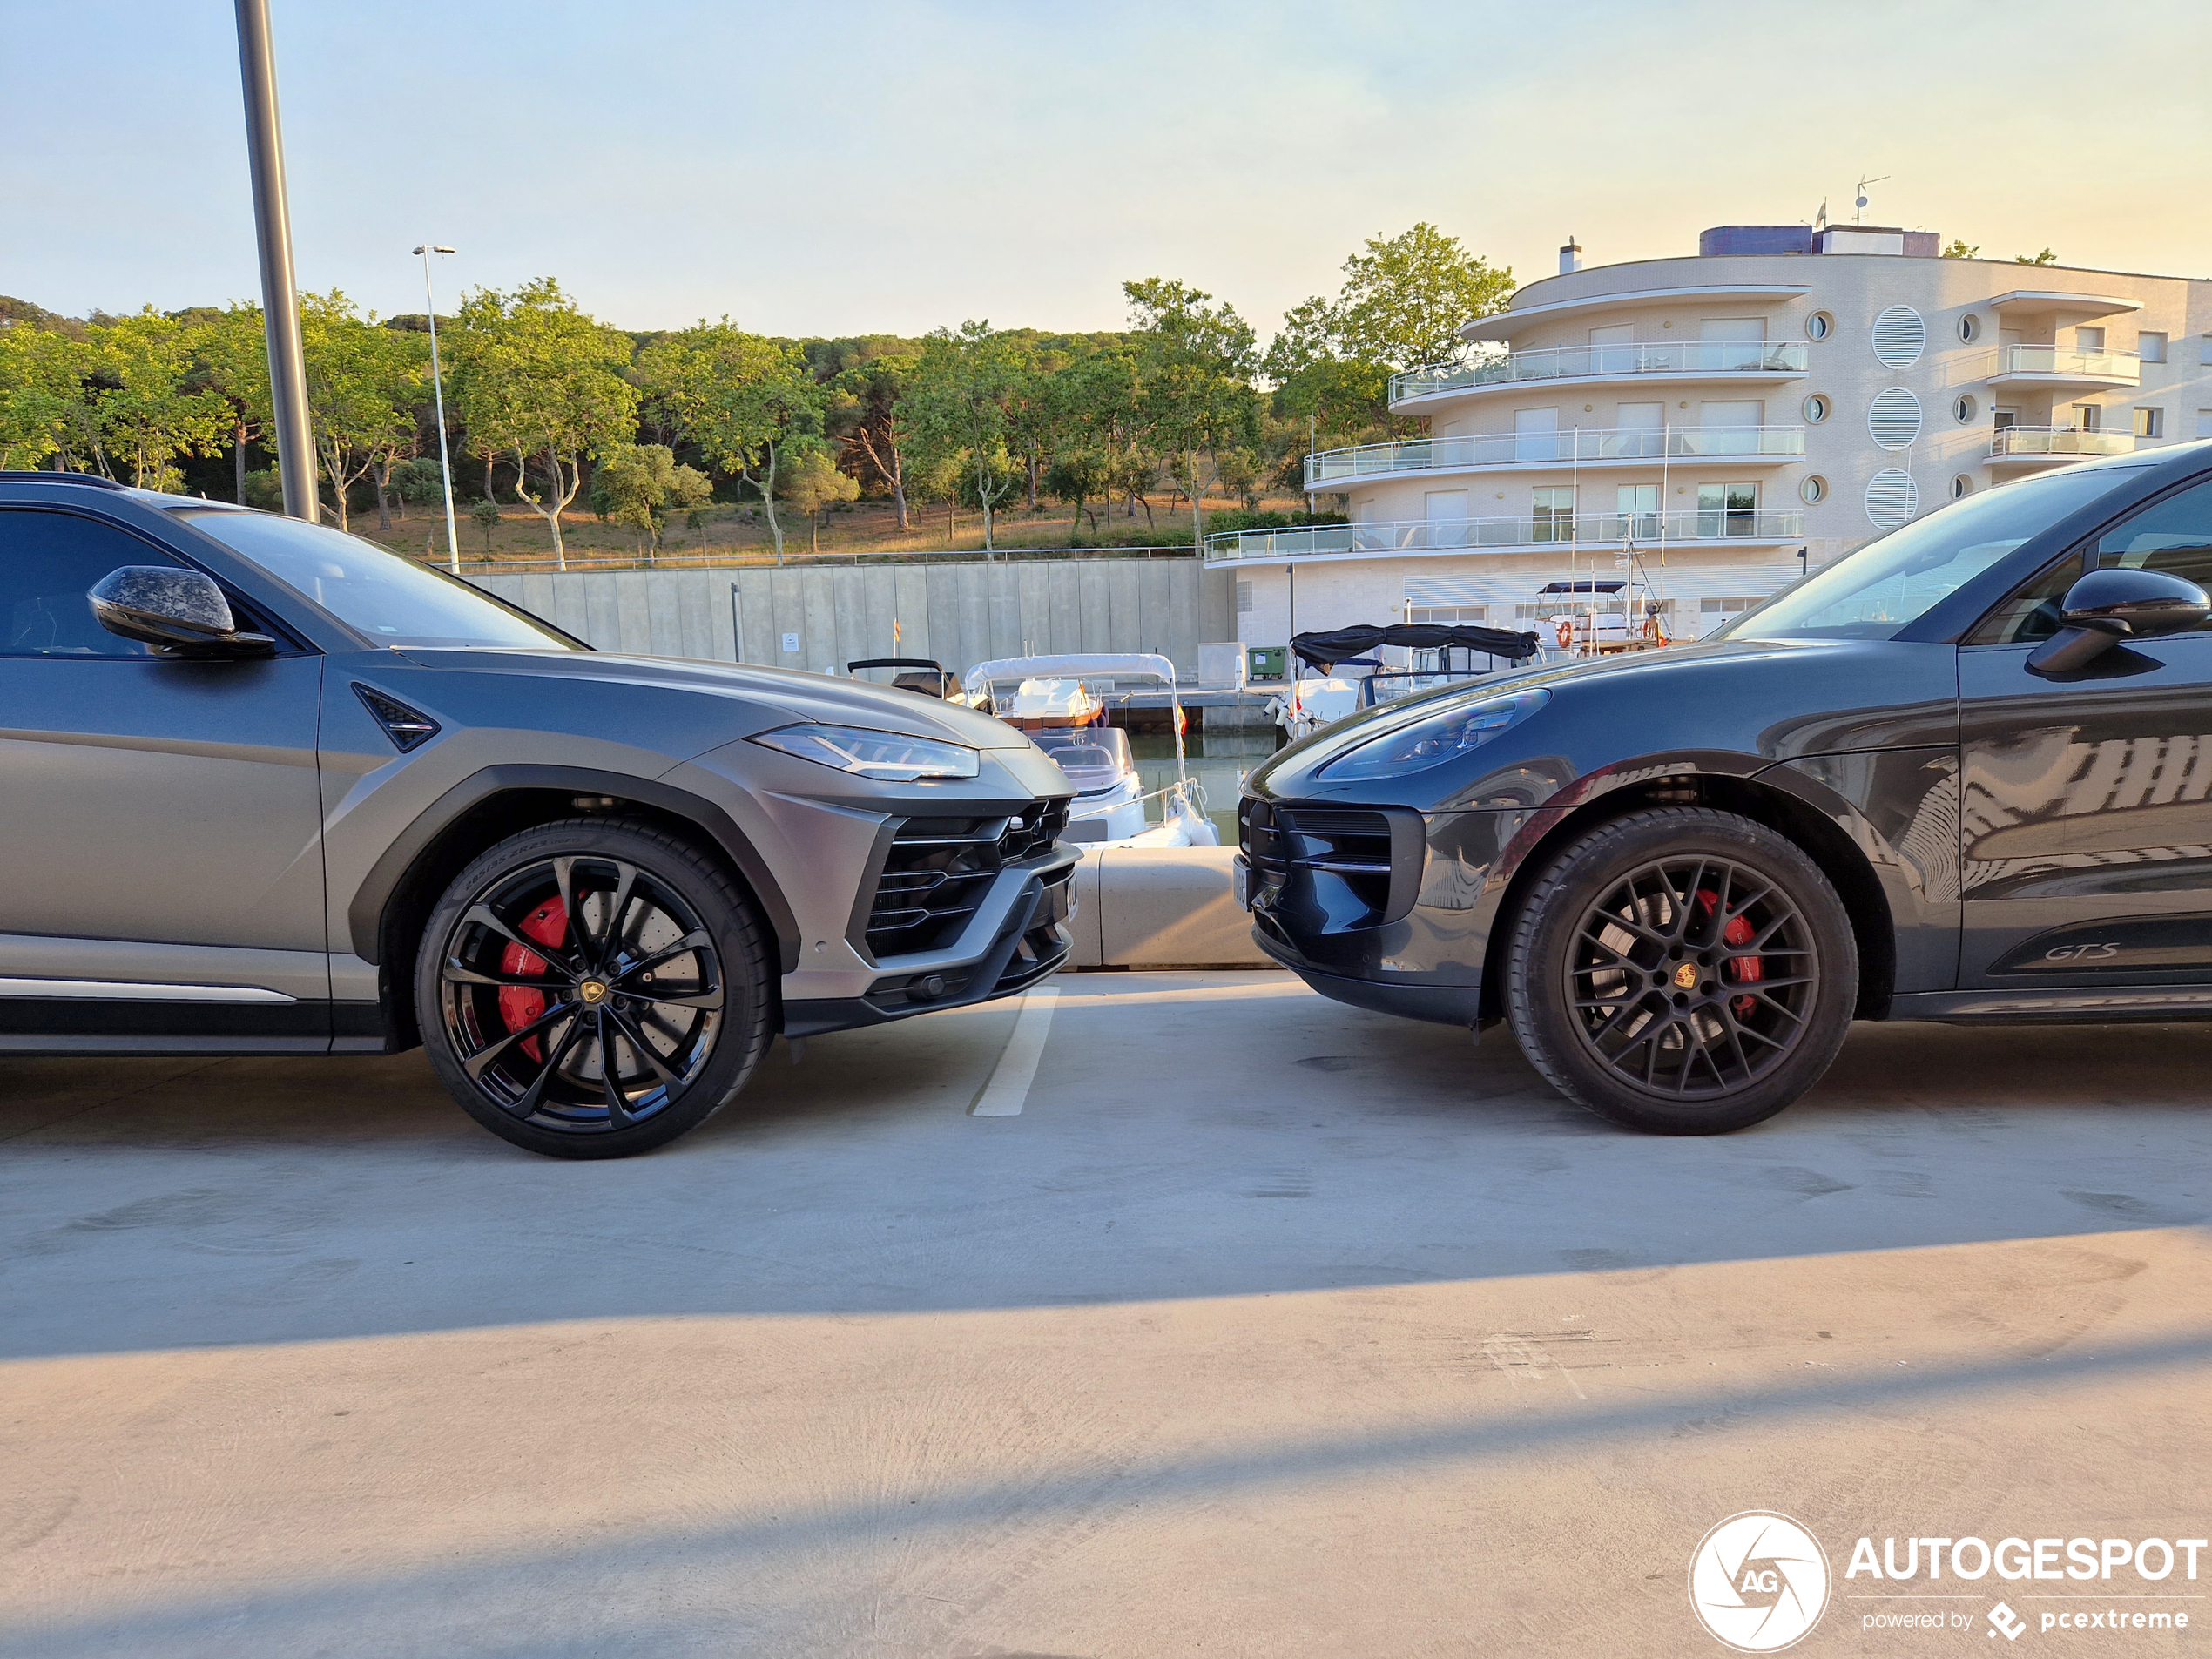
1168, 907
957, 614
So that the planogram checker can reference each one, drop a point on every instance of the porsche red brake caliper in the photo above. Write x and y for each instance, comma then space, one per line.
1738, 932
518, 1006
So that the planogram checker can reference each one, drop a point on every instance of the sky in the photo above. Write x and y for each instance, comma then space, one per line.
892, 166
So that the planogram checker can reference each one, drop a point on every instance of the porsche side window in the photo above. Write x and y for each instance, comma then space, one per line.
48, 563
2174, 534
2031, 611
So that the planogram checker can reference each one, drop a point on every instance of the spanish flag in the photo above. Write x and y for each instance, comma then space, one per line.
1182, 720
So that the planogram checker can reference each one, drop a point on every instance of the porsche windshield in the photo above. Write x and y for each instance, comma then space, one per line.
1876, 591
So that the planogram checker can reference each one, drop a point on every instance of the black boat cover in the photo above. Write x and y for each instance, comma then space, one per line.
1342, 645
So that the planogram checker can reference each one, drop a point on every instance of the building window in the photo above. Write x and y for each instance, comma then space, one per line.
2151, 348
1816, 410
2150, 423
2089, 417
1552, 516
1964, 409
1813, 491
1727, 509
1244, 598
1637, 507
1820, 324
1961, 485
2088, 339
2204, 423
1733, 605
1970, 327
1447, 613
2204, 351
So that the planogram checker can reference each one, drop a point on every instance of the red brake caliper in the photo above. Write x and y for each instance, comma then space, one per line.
518, 1006
1742, 969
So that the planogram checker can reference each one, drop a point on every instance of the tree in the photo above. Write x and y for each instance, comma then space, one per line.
636, 484
1957, 248
1078, 474
738, 397
43, 406
964, 383
364, 381
1194, 394
869, 415
1402, 304
234, 363
486, 513
814, 482
2045, 258
535, 377
145, 413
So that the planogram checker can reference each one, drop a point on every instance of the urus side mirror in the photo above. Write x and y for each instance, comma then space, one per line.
162, 605
2108, 606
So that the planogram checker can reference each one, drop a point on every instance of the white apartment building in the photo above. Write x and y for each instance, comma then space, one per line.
1708, 426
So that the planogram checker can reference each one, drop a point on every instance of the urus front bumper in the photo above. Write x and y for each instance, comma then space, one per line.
955, 911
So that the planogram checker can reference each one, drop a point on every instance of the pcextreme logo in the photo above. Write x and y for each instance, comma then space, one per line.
1759, 1581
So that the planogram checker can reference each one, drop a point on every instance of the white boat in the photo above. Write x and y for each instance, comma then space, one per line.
1045, 694
1304, 706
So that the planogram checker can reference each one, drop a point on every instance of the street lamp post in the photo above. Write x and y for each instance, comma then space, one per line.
438, 390
280, 292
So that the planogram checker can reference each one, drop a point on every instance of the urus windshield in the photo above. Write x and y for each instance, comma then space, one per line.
386, 595
1874, 592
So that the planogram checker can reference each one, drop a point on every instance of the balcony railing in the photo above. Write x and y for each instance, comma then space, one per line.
1528, 449
1641, 357
1597, 530
2064, 441
2064, 362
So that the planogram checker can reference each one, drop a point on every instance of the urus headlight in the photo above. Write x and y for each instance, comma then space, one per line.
1432, 742
888, 756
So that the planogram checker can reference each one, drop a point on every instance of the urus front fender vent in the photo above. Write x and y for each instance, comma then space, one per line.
409, 729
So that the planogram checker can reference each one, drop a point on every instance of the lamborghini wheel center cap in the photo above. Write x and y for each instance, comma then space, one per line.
592, 991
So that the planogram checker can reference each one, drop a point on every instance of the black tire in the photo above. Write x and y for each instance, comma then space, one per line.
1681, 971
584, 949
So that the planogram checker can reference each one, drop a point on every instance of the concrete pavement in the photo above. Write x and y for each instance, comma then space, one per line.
1267, 1326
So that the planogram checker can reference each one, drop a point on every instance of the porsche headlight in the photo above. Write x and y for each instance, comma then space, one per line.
889, 756
1427, 743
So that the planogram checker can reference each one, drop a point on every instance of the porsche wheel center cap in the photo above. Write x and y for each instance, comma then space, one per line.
1685, 978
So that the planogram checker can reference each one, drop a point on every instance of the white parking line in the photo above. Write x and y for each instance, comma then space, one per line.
1002, 1096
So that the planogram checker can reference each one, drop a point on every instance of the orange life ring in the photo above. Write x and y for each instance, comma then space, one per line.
1652, 631
1564, 631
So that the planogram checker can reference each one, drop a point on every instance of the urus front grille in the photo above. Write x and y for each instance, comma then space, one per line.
938, 870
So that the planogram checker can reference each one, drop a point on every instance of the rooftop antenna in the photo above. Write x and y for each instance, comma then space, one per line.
1859, 205
1820, 219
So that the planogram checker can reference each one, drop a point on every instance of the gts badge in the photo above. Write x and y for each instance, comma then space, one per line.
2081, 953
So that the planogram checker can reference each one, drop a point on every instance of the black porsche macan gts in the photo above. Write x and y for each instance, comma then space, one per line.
1964, 773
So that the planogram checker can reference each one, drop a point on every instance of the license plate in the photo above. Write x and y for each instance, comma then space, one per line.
1240, 882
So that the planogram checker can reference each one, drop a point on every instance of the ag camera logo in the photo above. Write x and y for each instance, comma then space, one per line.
1759, 1581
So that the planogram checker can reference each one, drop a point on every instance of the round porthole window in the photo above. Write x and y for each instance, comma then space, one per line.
1820, 326
1966, 410
1891, 498
1813, 491
1960, 486
1816, 410
1899, 336
1894, 418
1970, 328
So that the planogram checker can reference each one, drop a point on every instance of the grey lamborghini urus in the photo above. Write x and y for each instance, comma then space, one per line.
265, 787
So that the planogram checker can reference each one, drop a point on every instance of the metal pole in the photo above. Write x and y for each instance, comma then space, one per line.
438, 390
279, 291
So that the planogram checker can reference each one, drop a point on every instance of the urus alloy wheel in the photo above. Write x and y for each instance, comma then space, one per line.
593, 988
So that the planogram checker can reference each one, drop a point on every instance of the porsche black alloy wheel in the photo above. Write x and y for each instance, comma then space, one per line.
1682, 970
592, 989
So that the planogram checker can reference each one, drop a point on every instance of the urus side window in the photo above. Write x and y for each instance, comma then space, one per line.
49, 561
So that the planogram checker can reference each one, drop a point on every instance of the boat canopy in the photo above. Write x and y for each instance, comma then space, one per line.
1097, 665
1342, 645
